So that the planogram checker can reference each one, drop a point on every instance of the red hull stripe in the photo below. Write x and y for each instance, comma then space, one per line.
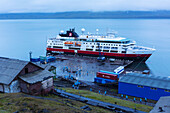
97, 53
114, 54
62, 50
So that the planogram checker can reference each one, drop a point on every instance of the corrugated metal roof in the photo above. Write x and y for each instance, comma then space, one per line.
163, 102
36, 76
9, 69
146, 80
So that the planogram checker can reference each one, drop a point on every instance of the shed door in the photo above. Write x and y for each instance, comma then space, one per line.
14, 87
1, 88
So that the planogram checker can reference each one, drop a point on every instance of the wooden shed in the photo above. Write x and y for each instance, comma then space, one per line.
12, 70
38, 82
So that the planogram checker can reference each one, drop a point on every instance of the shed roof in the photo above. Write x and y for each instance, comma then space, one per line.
163, 102
36, 76
10, 68
146, 80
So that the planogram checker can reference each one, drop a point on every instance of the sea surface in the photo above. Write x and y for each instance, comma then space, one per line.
19, 37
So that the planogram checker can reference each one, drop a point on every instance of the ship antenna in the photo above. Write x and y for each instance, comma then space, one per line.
97, 31
82, 30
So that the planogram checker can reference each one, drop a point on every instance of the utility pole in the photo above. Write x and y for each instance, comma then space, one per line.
30, 53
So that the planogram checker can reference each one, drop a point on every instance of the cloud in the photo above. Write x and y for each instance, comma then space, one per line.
81, 5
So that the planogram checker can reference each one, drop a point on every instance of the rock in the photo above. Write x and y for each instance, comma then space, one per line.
24, 104
9, 104
86, 107
43, 111
24, 110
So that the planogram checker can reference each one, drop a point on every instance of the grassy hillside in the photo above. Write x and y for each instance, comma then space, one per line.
104, 98
23, 103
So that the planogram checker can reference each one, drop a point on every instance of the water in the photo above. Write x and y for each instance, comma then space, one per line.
18, 37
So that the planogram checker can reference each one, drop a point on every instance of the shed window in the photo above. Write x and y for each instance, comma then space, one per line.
153, 88
26, 70
167, 90
140, 86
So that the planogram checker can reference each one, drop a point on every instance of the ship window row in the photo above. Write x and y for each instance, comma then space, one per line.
88, 49
57, 47
104, 44
105, 47
58, 44
54, 44
120, 42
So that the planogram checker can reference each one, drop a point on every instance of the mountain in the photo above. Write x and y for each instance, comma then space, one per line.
89, 15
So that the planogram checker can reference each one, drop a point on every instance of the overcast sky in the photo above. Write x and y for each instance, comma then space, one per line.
81, 5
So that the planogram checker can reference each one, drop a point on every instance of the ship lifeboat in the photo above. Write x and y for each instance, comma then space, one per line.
68, 43
77, 44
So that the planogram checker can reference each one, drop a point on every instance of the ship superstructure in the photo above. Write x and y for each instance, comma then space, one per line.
94, 44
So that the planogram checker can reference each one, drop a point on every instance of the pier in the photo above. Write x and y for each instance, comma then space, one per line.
84, 67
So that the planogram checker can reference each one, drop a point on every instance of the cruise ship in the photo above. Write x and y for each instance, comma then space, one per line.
109, 45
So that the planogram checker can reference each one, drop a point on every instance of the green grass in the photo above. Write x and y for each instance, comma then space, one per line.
10, 103
103, 98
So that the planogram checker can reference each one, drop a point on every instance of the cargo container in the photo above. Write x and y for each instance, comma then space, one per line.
50, 59
35, 59
44, 60
119, 70
107, 76
108, 72
103, 80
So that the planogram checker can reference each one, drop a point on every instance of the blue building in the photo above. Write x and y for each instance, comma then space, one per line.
144, 86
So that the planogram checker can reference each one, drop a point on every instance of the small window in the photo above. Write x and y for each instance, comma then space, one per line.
140, 86
153, 88
167, 90
26, 70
